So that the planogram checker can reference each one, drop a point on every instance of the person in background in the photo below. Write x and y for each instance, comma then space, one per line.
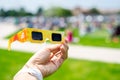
44, 62
116, 34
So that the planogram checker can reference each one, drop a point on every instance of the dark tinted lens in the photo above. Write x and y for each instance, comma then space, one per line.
56, 37
37, 35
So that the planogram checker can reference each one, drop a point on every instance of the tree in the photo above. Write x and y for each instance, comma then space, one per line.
13, 12
22, 12
94, 11
57, 11
40, 11
118, 12
2, 12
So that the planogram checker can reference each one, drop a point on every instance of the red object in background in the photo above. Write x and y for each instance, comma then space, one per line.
69, 36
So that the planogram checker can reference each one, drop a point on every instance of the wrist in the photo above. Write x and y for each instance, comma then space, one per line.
36, 66
33, 71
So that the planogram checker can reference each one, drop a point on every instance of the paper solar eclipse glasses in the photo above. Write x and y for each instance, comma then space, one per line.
37, 36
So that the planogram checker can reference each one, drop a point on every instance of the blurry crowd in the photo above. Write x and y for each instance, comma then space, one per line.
84, 23
39, 22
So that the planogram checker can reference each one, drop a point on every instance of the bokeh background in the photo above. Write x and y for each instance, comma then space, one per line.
91, 26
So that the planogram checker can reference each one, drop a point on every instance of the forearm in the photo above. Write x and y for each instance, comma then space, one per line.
24, 76
27, 73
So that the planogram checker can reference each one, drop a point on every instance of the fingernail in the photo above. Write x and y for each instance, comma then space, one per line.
66, 40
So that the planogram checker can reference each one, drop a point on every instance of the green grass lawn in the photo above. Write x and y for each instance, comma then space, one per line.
11, 62
72, 69
98, 38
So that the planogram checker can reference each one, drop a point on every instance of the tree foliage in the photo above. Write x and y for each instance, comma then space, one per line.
94, 11
54, 11
20, 12
57, 11
39, 11
118, 12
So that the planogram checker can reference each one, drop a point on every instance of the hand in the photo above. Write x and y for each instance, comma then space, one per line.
49, 59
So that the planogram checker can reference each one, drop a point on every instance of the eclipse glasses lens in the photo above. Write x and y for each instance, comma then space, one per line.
39, 36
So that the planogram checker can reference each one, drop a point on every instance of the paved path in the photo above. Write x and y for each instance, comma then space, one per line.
80, 52
6, 29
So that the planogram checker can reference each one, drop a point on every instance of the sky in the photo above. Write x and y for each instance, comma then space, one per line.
32, 5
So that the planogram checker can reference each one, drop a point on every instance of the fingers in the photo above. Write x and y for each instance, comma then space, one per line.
56, 48
49, 52
53, 48
63, 52
64, 49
